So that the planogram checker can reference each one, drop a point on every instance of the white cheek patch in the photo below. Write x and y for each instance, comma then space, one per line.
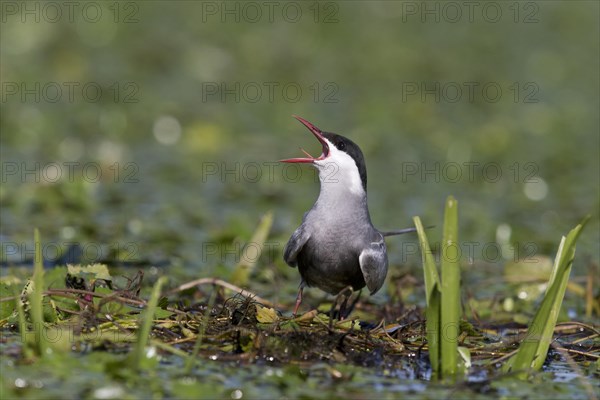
340, 169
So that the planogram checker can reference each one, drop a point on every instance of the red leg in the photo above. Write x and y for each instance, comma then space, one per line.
298, 300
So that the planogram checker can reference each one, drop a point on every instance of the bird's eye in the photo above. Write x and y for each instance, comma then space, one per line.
341, 145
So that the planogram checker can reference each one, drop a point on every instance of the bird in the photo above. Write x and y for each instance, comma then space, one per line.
336, 247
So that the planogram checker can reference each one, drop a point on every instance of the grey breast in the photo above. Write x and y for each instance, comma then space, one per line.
329, 259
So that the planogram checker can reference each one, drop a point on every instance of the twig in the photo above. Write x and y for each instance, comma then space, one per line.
584, 381
137, 302
567, 325
583, 339
63, 292
582, 353
227, 285
504, 357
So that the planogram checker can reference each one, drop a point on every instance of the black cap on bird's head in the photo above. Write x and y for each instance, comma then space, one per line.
333, 146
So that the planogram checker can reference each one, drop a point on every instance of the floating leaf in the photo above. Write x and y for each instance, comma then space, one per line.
465, 354
307, 316
266, 315
7, 308
528, 269
88, 275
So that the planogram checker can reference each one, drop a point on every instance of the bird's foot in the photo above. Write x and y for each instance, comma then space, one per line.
298, 300
344, 309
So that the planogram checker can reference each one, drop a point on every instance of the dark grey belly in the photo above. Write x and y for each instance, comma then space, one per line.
328, 269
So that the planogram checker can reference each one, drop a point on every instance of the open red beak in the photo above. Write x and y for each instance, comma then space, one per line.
319, 135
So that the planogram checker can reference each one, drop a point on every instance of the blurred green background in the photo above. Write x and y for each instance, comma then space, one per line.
146, 130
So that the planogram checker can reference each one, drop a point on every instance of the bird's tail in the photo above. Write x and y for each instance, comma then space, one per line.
402, 231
